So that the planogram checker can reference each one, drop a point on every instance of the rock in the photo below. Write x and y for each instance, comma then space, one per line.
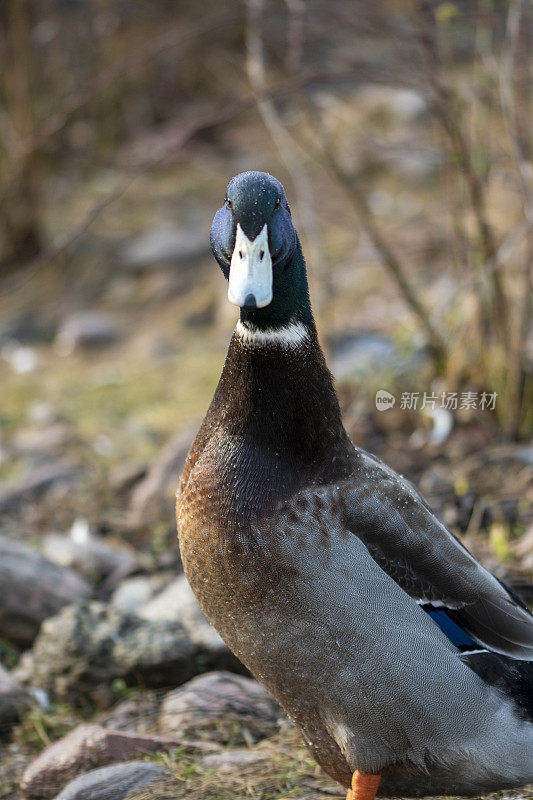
36, 483
26, 329
84, 748
83, 649
13, 762
90, 555
220, 706
151, 496
23, 359
415, 163
359, 352
32, 588
42, 414
113, 782
138, 713
177, 602
124, 476
363, 353
524, 453
230, 761
41, 441
13, 700
175, 246
86, 330
133, 593
405, 104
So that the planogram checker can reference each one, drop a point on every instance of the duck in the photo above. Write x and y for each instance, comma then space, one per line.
405, 664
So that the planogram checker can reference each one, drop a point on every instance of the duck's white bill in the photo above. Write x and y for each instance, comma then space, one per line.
250, 273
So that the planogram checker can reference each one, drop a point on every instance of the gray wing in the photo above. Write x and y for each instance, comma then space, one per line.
412, 546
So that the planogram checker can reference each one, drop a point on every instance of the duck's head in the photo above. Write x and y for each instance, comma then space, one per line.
255, 243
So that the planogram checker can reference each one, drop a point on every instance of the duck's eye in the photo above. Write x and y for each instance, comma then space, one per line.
278, 203
228, 202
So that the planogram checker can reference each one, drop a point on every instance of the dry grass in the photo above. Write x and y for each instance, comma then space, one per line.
287, 771
283, 769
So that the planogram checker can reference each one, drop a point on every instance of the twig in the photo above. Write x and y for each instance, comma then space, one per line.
173, 144
474, 523
503, 254
182, 137
295, 38
152, 49
287, 147
507, 95
508, 103
448, 110
393, 264
21, 218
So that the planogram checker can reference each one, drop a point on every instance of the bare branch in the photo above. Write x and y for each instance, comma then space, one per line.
295, 36
509, 107
449, 112
287, 147
508, 102
508, 247
390, 260
172, 144
169, 40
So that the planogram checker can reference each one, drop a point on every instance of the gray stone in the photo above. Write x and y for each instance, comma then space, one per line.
32, 588
524, 453
151, 496
113, 782
13, 699
177, 602
79, 653
21, 358
124, 476
405, 104
165, 245
86, 330
133, 593
230, 761
41, 441
414, 162
359, 354
90, 555
36, 482
222, 707
137, 714
25, 329
84, 748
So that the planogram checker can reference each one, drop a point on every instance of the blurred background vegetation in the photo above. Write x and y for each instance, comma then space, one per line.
401, 130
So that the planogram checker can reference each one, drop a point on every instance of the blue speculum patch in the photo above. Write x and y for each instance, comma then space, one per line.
455, 634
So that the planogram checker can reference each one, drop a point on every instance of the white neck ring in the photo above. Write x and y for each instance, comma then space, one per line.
291, 335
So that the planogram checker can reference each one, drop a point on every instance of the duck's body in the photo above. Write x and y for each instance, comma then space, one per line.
311, 557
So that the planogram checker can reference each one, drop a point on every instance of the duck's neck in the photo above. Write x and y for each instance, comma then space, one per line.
277, 389
290, 303
275, 406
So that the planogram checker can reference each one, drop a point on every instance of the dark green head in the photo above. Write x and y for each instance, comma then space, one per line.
255, 243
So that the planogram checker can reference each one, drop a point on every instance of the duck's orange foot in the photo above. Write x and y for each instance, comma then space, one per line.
364, 786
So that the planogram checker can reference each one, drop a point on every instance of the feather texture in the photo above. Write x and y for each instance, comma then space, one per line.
411, 545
